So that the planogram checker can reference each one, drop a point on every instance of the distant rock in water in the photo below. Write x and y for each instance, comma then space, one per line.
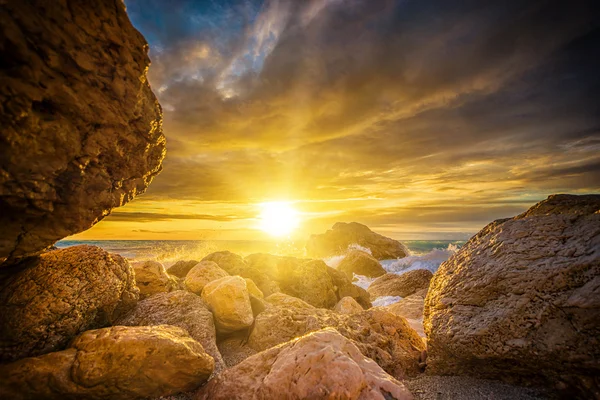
521, 300
342, 235
80, 129
55, 297
360, 263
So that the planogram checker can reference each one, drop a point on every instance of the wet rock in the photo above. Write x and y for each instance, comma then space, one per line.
53, 298
347, 305
80, 129
344, 287
520, 300
342, 235
380, 335
400, 285
117, 363
360, 263
229, 302
181, 268
201, 274
182, 309
321, 365
151, 277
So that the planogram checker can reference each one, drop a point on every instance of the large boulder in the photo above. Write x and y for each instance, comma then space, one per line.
345, 288
321, 365
80, 129
112, 363
521, 299
400, 285
342, 235
151, 277
181, 268
201, 274
229, 302
380, 335
360, 263
182, 309
56, 296
234, 264
311, 283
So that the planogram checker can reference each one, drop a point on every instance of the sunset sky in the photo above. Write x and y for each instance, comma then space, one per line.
419, 118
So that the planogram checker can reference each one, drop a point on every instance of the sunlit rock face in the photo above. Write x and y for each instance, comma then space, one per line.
53, 298
336, 241
321, 365
80, 129
521, 300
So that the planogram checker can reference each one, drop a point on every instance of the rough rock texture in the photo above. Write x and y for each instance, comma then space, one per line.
181, 268
182, 309
321, 365
80, 129
112, 363
336, 241
235, 349
285, 300
380, 335
151, 277
347, 305
234, 264
360, 263
400, 285
56, 296
521, 299
229, 302
253, 289
311, 283
203, 273
344, 287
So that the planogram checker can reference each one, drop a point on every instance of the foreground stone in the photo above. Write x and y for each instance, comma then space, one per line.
60, 294
229, 302
380, 335
320, 365
360, 263
182, 309
116, 363
337, 240
151, 277
400, 285
80, 128
201, 274
520, 301
181, 268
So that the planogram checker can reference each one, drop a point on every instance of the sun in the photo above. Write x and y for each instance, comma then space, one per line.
278, 218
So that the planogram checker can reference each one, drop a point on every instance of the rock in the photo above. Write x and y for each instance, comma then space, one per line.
321, 365
181, 268
410, 307
235, 349
342, 235
380, 335
360, 263
253, 289
56, 296
203, 273
400, 285
80, 128
151, 277
234, 264
347, 305
182, 309
519, 301
311, 283
117, 363
344, 287
287, 301
229, 302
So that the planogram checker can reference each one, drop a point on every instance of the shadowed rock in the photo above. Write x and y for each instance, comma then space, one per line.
53, 298
400, 285
321, 365
520, 301
112, 363
80, 129
344, 287
337, 240
181, 268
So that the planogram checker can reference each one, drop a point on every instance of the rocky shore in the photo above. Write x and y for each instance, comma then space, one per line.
514, 314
